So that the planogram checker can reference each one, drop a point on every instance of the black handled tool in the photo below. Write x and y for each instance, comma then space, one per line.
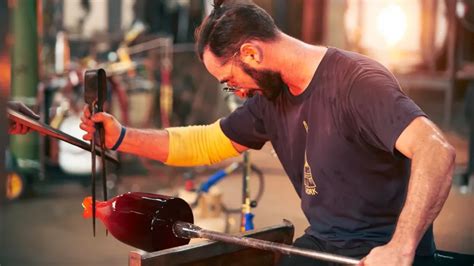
95, 93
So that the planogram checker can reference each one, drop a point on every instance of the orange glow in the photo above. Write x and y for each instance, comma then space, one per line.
390, 31
5, 73
87, 205
392, 24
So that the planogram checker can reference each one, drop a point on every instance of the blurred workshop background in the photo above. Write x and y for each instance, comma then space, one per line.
155, 80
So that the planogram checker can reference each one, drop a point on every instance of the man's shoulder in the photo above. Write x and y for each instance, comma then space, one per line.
357, 60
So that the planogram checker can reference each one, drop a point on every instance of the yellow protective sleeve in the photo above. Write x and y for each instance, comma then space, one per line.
198, 145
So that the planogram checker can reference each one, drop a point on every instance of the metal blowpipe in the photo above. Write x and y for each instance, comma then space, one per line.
188, 230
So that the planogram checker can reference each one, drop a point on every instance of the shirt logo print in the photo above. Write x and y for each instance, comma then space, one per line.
309, 184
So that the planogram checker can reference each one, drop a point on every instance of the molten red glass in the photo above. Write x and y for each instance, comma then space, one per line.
142, 220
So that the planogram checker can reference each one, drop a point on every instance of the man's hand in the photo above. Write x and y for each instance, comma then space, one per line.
111, 126
17, 128
389, 254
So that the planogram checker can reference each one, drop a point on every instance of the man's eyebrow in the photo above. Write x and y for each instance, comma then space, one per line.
223, 80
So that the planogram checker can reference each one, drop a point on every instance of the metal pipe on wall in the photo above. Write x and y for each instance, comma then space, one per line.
314, 21
25, 76
3, 121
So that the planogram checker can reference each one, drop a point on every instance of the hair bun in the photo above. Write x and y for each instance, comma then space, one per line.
218, 3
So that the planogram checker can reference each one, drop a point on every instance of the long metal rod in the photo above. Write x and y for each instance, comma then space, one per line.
187, 230
93, 172
104, 165
149, 45
47, 130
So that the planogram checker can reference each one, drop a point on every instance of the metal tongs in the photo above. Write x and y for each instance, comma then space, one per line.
95, 93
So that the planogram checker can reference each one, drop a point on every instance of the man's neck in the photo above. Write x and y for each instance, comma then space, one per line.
297, 62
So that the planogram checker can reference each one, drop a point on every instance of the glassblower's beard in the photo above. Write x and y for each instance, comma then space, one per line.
270, 82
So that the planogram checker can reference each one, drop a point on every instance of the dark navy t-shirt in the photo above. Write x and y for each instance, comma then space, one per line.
336, 142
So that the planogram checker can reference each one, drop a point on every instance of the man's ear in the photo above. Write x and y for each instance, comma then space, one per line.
251, 54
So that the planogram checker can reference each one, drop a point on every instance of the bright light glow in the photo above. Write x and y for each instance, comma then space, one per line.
392, 24
373, 27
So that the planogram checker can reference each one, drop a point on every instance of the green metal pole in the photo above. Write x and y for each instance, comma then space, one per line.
25, 77
3, 126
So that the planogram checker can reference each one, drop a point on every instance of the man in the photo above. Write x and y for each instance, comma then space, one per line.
372, 171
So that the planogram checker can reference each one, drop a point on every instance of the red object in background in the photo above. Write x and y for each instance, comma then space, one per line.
142, 220
189, 185
4, 74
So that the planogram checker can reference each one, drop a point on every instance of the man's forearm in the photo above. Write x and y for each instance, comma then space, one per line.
429, 185
150, 143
